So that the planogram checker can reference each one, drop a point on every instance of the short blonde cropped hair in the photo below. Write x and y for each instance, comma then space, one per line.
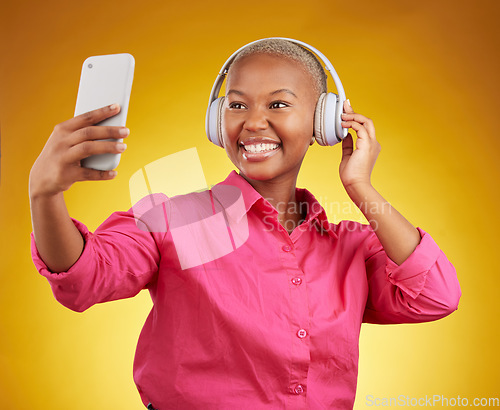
291, 51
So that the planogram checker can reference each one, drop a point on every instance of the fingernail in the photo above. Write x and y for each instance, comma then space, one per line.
121, 146
348, 102
124, 131
112, 174
113, 107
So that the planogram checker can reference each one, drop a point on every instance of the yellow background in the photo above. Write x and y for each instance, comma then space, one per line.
425, 71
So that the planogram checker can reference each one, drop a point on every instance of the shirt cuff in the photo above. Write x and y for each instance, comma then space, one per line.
76, 268
411, 275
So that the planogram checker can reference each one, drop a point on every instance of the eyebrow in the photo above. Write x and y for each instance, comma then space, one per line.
284, 90
281, 90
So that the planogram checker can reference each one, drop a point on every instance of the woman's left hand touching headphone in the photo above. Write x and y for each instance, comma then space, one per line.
357, 164
398, 236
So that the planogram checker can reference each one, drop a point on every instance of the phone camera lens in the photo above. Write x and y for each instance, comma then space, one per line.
90, 66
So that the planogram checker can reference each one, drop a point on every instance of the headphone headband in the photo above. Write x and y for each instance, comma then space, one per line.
225, 68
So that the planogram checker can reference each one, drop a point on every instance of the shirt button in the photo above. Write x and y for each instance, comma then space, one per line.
301, 334
296, 281
299, 389
286, 248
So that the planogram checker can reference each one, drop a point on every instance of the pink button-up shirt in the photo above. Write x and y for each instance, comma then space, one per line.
246, 316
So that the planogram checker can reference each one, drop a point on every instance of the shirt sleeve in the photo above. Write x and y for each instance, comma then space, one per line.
118, 260
423, 288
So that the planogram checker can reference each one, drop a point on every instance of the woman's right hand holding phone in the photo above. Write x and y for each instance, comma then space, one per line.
58, 241
58, 165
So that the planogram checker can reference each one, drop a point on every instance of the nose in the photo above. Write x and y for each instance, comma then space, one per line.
255, 120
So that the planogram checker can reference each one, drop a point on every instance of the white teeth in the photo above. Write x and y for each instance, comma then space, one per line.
256, 148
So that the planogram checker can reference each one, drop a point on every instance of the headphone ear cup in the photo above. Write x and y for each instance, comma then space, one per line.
215, 122
340, 132
318, 120
325, 119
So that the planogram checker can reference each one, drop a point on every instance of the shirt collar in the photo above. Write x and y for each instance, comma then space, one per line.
316, 214
250, 195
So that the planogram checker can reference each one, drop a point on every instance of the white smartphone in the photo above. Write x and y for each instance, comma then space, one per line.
105, 79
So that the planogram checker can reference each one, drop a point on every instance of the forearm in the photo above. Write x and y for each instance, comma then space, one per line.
396, 234
58, 241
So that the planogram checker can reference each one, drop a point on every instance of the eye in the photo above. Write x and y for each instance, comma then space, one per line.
236, 105
278, 104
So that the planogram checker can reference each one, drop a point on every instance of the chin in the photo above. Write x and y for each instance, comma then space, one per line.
259, 173
255, 175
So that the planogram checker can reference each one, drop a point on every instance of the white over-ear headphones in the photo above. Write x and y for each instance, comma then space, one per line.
327, 121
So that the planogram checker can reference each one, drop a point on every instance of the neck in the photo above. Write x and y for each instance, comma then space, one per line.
281, 195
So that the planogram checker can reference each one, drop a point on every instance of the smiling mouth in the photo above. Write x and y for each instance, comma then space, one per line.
255, 151
260, 148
